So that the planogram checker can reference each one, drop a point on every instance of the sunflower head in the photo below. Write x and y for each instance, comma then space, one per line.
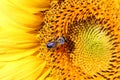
91, 31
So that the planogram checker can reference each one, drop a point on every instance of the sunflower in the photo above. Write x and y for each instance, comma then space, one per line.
65, 40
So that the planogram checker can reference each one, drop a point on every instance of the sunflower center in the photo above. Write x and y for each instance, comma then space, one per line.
96, 43
92, 48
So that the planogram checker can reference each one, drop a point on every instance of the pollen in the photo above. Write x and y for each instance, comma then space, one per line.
90, 46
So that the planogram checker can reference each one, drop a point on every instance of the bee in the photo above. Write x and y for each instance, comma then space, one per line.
59, 41
51, 44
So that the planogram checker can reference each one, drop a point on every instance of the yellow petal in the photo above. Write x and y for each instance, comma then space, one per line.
18, 18
15, 24
33, 5
18, 21
45, 75
29, 68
